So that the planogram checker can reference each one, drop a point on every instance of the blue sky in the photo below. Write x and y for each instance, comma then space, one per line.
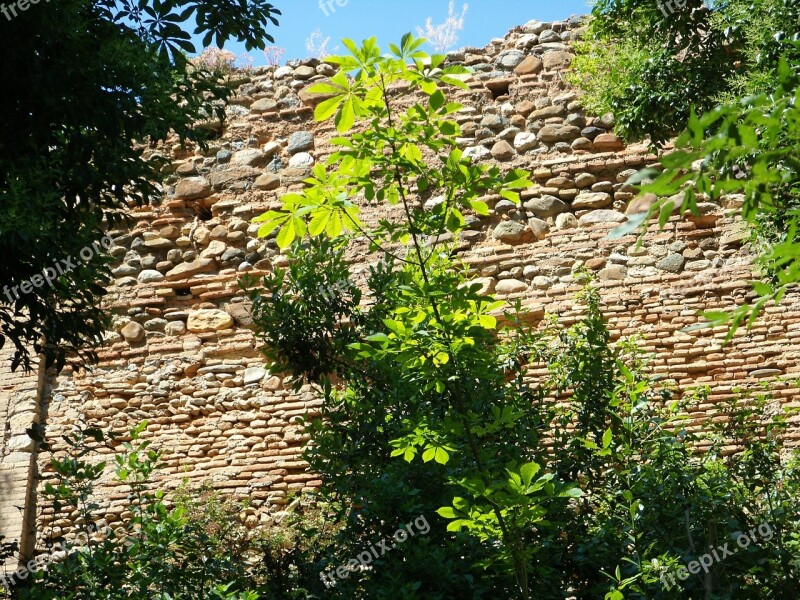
390, 19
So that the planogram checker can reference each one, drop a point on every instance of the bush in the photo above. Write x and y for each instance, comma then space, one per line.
651, 69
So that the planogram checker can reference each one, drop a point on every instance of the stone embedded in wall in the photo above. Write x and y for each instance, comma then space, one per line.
511, 232
250, 157
539, 228
192, 188
227, 175
531, 65
133, 332
208, 319
506, 287
301, 160
300, 141
608, 142
264, 105
602, 216
191, 268
545, 206
558, 133
503, 151
592, 200
267, 181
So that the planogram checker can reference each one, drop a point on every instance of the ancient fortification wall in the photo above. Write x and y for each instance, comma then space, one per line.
182, 354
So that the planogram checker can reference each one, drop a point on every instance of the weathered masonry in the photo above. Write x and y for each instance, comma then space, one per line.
182, 354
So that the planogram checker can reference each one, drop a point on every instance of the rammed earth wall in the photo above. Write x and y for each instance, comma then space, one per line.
182, 354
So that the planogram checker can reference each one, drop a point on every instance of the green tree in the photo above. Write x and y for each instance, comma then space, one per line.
425, 365
90, 87
652, 62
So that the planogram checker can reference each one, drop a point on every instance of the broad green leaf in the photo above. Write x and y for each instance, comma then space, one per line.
327, 108
528, 472
286, 235
447, 512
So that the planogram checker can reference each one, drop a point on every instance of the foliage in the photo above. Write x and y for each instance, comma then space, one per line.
90, 84
191, 544
274, 54
317, 44
661, 488
222, 62
748, 147
443, 37
430, 341
650, 63
156, 552
428, 405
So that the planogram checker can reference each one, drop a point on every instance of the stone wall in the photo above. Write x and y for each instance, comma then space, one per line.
182, 354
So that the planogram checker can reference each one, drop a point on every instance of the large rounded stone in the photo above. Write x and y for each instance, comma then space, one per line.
612, 272
304, 72
503, 151
511, 232
525, 140
476, 153
215, 249
267, 181
263, 106
566, 221
133, 332
223, 177
510, 286
300, 141
536, 27
208, 319
250, 157
538, 227
546, 206
188, 269
175, 328
301, 160
150, 276
254, 375
558, 133
641, 204
530, 66
672, 263
608, 142
557, 59
192, 188
548, 35
510, 59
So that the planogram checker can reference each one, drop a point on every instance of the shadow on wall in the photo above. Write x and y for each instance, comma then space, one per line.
9, 544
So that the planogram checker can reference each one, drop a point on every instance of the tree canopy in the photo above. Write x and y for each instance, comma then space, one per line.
651, 63
87, 86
